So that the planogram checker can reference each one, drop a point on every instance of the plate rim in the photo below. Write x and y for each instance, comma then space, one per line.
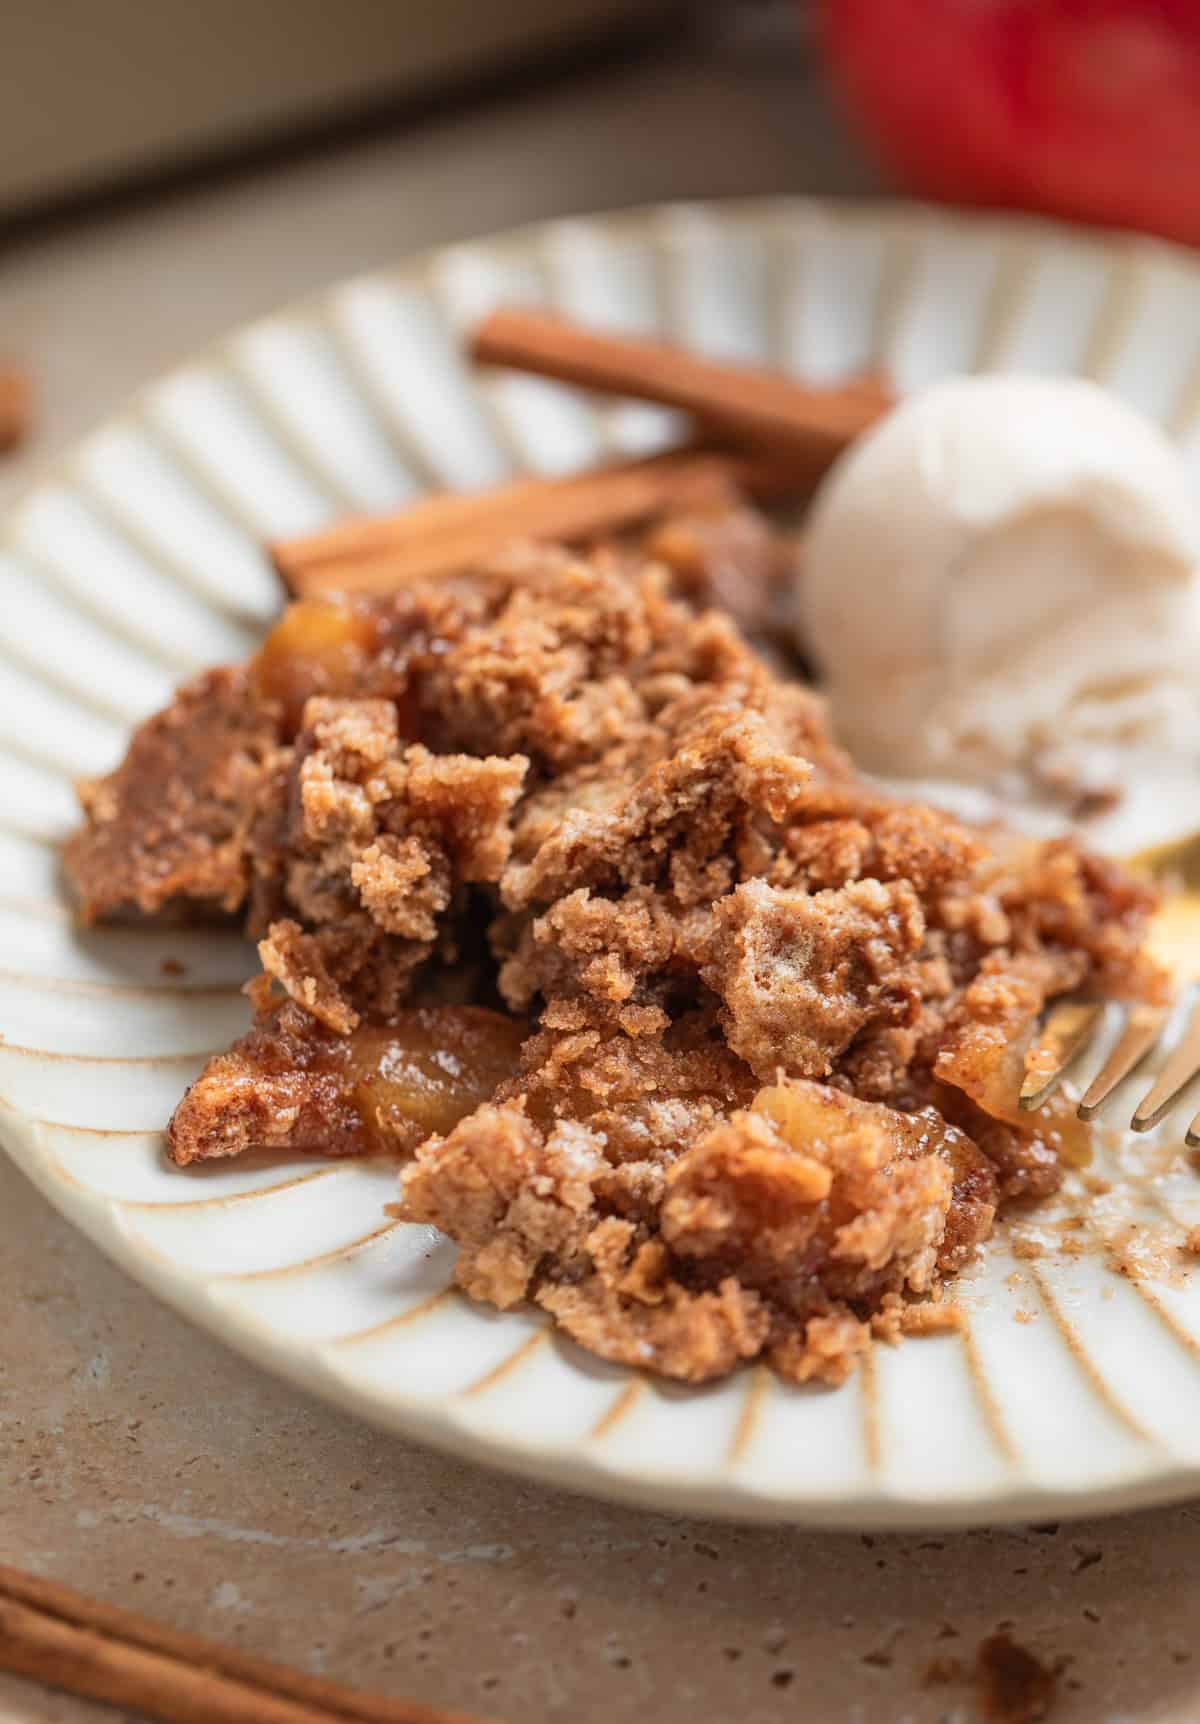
1162, 1478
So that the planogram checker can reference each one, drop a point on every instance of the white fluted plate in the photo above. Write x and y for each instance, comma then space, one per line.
1070, 1389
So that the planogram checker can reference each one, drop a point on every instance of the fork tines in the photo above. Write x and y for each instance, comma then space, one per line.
1067, 1031
1070, 1029
1181, 1067
1139, 1033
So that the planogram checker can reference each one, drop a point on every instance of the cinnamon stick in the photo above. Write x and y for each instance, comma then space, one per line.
789, 433
747, 404
16, 407
58, 1637
451, 532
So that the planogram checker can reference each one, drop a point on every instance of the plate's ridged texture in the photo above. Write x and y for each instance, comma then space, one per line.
138, 561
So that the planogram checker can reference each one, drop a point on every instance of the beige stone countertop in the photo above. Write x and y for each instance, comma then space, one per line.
146, 1464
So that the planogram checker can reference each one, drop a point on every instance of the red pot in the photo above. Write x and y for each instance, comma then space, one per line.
1084, 108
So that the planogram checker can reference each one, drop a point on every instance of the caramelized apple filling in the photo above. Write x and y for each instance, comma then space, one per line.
293, 1085
318, 646
821, 1123
430, 1069
985, 1059
873, 1153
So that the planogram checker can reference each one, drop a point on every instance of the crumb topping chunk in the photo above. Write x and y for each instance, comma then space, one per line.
689, 1035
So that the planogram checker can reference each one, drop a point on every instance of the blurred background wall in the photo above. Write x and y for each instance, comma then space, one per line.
98, 91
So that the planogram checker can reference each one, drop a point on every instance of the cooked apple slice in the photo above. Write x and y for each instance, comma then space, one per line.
293, 1085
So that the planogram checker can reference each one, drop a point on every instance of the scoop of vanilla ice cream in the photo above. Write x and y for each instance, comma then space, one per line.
1001, 570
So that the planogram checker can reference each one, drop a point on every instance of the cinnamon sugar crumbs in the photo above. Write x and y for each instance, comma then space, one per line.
764, 1108
1026, 1246
931, 1319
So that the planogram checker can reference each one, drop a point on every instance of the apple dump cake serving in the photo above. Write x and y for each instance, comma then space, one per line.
685, 1032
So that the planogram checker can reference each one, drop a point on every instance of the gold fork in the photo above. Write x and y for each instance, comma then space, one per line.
1070, 1028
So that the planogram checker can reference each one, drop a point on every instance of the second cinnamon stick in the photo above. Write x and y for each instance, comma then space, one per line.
447, 533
